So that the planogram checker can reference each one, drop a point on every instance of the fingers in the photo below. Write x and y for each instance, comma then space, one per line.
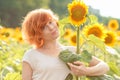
78, 63
71, 65
75, 65
78, 68
74, 68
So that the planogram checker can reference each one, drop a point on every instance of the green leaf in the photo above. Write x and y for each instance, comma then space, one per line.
67, 56
114, 68
86, 56
97, 42
92, 18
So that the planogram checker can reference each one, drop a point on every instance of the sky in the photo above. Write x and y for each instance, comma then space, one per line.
107, 7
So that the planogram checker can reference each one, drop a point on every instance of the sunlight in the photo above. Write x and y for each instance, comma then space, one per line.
107, 7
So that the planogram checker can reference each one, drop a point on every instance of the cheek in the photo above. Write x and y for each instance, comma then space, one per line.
45, 34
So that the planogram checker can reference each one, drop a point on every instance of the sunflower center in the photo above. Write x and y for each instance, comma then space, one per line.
108, 39
67, 33
95, 31
73, 39
113, 25
78, 13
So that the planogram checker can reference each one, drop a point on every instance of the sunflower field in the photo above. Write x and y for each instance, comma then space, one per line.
13, 47
104, 44
85, 32
81, 30
11, 52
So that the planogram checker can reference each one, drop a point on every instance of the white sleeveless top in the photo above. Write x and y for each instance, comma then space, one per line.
46, 67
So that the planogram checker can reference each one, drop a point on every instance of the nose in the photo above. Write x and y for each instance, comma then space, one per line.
51, 27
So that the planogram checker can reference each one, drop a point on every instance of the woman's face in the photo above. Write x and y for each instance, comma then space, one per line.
50, 31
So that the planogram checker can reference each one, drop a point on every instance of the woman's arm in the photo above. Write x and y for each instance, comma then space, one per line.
26, 71
95, 68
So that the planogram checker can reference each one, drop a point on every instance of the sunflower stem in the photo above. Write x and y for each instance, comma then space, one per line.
94, 50
78, 50
78, 30
77, 78
104, 57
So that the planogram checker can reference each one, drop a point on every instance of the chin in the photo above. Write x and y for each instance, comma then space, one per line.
56, 36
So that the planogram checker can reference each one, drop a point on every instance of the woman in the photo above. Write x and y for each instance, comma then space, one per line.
40, 29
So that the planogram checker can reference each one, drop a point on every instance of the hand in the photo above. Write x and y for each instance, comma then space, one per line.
78, 68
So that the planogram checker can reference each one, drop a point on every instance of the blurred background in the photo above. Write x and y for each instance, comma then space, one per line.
13, 11
12, 46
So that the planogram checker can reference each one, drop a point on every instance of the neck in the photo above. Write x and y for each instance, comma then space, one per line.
51, 45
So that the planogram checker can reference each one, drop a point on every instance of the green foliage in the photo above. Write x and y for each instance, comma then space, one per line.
62, 24
102, 77
97, 42
114, 69
13, 11
68, 56
91, 19
13, 76
86, 56
59, 7
10, 57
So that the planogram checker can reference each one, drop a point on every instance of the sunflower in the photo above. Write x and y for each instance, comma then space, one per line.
118, 33
110, 39
73, 39
18, 36
78, 11
113, 24
67, 33
95, 29
118, 36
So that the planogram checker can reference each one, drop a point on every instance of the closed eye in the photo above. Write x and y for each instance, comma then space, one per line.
50, 22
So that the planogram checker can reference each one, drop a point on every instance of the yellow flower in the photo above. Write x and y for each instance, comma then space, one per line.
118, 37
78, 11
95, 29
118, 32
73, 39
113, 24
110, 39
18, 36
67, 33
7, 32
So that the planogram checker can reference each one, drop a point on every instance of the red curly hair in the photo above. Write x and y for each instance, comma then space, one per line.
33, 24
